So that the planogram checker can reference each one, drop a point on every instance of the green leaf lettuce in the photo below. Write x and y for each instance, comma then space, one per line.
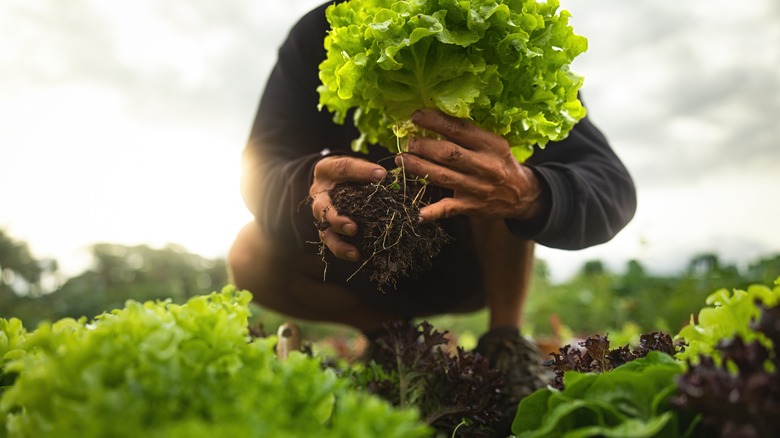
504, 64
629, 401
728, 314
158, 369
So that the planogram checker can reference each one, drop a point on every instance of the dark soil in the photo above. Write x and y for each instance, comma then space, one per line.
390, 238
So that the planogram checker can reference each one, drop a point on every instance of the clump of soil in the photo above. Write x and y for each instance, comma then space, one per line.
391, 240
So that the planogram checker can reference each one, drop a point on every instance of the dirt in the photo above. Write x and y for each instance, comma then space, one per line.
391, 240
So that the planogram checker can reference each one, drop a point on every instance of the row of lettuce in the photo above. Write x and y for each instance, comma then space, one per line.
719, 377
169, 370
164, 370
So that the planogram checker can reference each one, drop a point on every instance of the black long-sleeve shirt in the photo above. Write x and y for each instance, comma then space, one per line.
592, 193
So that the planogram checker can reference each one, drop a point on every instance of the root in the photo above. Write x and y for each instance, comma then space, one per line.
391, 239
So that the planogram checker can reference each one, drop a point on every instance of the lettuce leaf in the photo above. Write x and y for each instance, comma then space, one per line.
596, 356
727, 315
158, 369
504, 64
741, 396
631, 400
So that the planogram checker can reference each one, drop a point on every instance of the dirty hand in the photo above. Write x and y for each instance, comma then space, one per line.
327, 173
477, 165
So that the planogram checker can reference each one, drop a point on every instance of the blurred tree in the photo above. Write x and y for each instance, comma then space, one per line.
595, 300
541, 275
20, 279
764, 271
593, 268
584, 301
20, 272
708, 269
119, 273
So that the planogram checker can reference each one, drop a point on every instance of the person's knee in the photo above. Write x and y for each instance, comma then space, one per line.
236, 262
257, 264
243, 259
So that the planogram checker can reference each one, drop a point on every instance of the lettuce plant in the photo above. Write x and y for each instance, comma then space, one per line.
727, 315
12, 336
744, 402
596, 356
157, 369
736, 387
504, 64
411, 366
722, 381
630, 400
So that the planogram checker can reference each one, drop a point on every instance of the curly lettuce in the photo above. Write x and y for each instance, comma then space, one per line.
630, 401
503, 64
728, 314
163, 370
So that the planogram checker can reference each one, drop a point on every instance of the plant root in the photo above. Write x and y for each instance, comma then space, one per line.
390, 238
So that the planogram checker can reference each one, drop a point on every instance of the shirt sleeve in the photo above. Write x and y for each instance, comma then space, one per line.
289, 135
592, 195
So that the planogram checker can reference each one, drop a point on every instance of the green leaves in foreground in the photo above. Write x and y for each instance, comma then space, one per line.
158, 369
723, 381
411, 366
733, 378
503, 64
629, 401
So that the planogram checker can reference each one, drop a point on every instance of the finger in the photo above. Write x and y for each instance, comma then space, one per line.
339, 223
444, 152
458, 130
337, 246
437, 175
327, 216
320, 203
342, 169
443, 209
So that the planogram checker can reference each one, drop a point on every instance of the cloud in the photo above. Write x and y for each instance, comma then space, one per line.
684, 91
687, 92
175, 63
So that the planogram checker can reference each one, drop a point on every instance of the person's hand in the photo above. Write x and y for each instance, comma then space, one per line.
477, 165
327, 173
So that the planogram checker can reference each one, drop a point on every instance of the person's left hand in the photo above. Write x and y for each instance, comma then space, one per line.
477, 165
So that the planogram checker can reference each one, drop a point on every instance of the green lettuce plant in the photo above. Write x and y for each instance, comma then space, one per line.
720, 379
12, 335
157, 369
741, 395
728, 314
630, 400
504, 64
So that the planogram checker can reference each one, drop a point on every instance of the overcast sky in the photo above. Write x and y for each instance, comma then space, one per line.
123, 121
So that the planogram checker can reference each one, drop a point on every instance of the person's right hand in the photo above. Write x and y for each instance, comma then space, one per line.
327, 173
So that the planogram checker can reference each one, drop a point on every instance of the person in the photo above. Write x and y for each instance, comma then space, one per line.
571, 194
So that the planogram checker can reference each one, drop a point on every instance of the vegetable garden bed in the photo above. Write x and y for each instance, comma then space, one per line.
160, 369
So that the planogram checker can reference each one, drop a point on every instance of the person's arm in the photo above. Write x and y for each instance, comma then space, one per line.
288, 137
591, 194
586, 194
572, 194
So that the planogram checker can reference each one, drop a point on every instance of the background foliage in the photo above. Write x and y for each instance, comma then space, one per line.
594, 300
117, 273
